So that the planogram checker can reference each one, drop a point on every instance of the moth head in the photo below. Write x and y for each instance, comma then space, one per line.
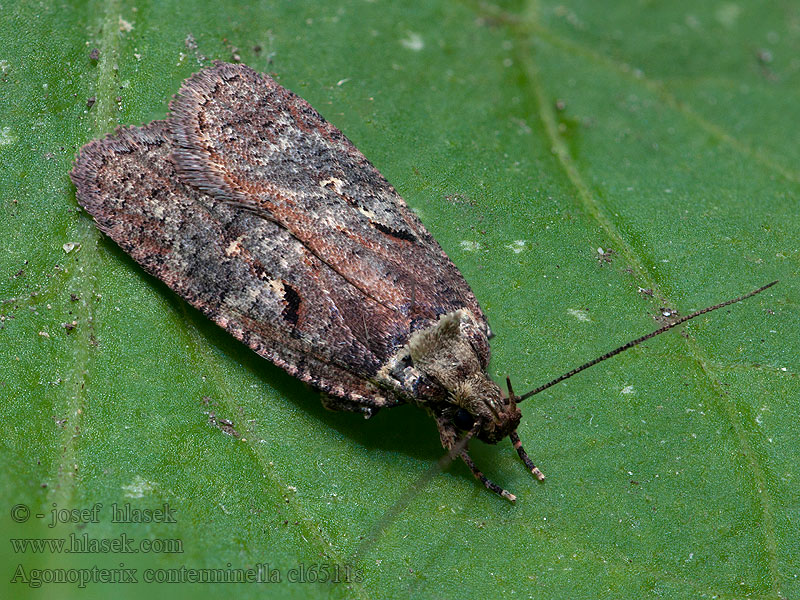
452, 354
484, 404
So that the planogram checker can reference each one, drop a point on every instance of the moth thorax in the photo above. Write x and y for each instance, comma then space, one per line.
445, 354
443, 351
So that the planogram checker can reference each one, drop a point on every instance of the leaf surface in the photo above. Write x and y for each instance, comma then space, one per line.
585, 165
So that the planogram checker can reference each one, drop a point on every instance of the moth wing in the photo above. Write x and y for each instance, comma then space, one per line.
248, 141
248, 274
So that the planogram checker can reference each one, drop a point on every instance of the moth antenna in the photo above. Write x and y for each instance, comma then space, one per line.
515, 441
638, 341
511, 395
491, 485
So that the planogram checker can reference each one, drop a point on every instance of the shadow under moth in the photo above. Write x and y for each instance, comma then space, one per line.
257, 211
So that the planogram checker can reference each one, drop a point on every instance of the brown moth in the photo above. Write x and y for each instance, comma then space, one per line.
257, 211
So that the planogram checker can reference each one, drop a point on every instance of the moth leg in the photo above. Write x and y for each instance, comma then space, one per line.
448, 434
524, 456
450, 440
485, 480
337, 403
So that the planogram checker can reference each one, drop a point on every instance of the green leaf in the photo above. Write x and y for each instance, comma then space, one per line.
528, 136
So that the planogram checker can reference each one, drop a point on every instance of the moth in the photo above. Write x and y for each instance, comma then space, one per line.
264, 216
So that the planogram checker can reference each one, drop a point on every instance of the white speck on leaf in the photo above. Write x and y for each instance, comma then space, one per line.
470, 246
6, 137
516, 246
413, 41
579, 314
138, 487
125, 25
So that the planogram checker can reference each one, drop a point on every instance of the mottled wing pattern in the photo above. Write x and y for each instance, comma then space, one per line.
244, 138
244, 272
261, 214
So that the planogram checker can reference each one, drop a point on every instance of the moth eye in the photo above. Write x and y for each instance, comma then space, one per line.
463, 420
